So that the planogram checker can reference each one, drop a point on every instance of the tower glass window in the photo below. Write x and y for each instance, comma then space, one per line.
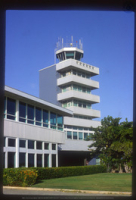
11, 109
22, 112
60, 122
69, 135
75, 135
85, 136
80, 135
69, 54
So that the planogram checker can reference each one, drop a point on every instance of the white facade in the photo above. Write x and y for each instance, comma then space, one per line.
75, 94
31, 137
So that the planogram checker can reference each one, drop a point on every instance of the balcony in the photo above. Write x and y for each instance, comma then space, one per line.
84, 111
71, 121
78, 65
78, 80
79, 96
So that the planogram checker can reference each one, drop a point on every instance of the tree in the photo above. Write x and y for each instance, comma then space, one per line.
112, 142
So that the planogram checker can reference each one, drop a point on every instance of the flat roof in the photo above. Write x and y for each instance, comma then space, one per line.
30, 98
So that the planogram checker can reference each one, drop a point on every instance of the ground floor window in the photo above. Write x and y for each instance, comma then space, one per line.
11, 159
39, 160
22, 159
46, 160
30, 160
53, 160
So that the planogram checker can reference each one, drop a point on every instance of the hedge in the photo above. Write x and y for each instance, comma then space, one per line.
19, 176
28, 176
59, 172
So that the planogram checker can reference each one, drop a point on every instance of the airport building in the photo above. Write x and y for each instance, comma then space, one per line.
33, 130
52, 130
69, 84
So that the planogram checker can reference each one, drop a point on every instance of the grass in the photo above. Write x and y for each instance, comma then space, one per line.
96, 182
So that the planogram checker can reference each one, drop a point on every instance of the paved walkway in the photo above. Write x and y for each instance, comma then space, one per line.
61, 192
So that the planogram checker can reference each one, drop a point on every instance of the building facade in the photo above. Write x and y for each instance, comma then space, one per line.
68, 84
33, 130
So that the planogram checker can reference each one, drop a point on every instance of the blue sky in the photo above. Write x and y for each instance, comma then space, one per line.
108, 43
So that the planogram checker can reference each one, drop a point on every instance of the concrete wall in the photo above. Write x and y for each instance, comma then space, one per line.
81, 122
74, 145
48, 84
28, 131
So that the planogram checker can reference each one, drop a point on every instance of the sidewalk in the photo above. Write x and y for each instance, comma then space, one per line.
68, 192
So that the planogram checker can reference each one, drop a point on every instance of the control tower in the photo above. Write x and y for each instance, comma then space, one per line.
68, 83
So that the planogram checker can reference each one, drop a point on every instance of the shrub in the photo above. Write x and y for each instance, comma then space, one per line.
19, 176
59, 172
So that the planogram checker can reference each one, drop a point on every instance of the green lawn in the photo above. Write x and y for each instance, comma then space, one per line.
98, 182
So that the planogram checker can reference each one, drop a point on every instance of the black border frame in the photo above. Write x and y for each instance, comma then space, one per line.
99, 5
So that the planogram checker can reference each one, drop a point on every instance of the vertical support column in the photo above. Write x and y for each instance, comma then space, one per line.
17, 110
56, 155
50, 155
6, 153
43, 154
35, 160
17, 153
26, 153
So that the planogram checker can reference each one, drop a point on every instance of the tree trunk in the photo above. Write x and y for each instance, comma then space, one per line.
126, 168
120, 169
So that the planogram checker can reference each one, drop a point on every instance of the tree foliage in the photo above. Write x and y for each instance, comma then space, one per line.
112, 142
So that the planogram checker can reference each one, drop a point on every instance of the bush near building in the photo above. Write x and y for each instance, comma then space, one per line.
28, 176
19, 177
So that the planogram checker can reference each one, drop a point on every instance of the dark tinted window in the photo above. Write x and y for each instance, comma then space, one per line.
30, 144
39, 145
30, 160
39, 160
46, 146
11, 142
38, 116
11, 108
22, 158
30, 114
22, 112
53, 146
22, 143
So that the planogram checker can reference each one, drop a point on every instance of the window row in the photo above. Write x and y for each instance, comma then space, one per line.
76, 103
77, 135
29, 144
78, 128
82, 117
75, 72
42, 160
76, 88
85, 65
32, 115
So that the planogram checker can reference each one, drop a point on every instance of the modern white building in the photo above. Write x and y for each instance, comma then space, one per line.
68, 84
33, 130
